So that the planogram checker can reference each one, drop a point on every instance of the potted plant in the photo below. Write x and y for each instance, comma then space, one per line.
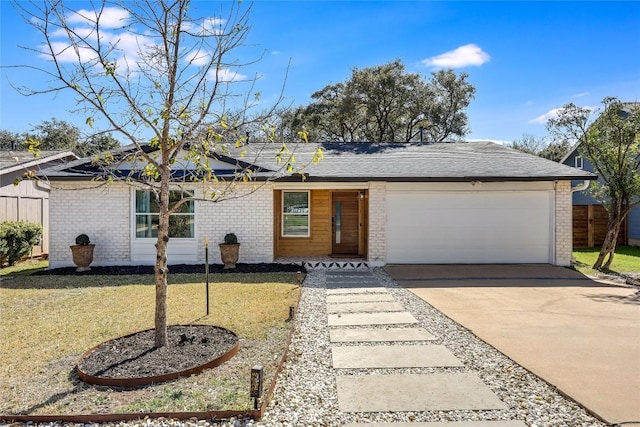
82, 253
229, 251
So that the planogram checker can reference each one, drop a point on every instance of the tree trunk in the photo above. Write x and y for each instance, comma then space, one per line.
161, 268
611, 239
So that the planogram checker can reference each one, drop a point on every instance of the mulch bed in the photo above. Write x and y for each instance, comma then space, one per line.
174, 269
135, 356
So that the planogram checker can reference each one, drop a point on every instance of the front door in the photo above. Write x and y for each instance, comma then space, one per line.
345, 223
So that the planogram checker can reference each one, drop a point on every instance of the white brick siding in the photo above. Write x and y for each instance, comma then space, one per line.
102, 213
105, 213
564, 224
377, 222
250, 217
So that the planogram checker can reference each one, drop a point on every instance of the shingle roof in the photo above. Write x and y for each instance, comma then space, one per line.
472, 161
14, 159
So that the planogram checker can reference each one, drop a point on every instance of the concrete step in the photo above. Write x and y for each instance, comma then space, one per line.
380, 335
331, 299
415, 392
393, 356
364, 307
361, 319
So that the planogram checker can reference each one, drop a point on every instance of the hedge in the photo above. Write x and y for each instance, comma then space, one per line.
17, 238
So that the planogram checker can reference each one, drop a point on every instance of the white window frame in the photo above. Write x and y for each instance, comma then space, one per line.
579, 162
135, 215
307, 214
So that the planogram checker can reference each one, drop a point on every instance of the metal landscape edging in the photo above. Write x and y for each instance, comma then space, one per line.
219, 415
140, 381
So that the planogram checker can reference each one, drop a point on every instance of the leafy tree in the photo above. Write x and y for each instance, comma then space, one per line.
555, 150
11, 140
96, 143
56, 134
156, 74
387, 104
611, 144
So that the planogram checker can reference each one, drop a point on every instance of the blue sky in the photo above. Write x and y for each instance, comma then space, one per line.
525, 58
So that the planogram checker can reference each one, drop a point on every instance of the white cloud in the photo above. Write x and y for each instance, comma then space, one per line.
551, 114
275, 52
469, 54
226, 75
528, 103
211, 26
198, 58
581, 94
110, 17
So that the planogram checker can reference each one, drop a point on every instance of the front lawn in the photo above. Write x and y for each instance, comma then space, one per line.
47, 322
625, 260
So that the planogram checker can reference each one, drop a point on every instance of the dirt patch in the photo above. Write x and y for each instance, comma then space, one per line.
135, 356
174, 269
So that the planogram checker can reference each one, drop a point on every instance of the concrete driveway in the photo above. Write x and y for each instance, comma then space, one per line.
579, 335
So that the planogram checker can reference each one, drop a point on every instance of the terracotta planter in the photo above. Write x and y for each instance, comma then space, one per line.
82, 256
229, 254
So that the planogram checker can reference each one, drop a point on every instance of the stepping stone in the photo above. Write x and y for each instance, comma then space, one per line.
415, 392
347, 291
364, 307
360, 298
393, 356
378, 334
445, 424
361, 319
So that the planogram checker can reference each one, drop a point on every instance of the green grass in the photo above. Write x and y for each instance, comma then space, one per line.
46, 322
625, 260
24, 268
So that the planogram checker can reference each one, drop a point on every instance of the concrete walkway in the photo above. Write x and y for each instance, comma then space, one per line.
369, 330
579, 335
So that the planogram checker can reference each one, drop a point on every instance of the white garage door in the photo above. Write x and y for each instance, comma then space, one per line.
469, 227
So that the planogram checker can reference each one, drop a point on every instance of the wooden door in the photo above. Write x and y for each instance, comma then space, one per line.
345, 223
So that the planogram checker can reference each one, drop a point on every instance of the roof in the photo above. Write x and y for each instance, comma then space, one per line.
437, 162
11, 161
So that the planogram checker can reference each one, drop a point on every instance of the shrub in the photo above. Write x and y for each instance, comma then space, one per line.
17, 238
230, 239
83, 240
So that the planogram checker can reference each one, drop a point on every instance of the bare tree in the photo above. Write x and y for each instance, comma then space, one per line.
160, 77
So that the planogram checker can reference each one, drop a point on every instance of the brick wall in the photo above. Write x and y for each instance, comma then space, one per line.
377, 222
563, 230
101, 213
250, 217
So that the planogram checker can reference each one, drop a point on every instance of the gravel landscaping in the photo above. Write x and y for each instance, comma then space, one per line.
306, 391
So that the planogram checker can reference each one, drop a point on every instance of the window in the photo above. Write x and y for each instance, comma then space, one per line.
578, 161
181, 223
295, 214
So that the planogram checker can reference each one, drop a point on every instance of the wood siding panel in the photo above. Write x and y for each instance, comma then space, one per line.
319, 241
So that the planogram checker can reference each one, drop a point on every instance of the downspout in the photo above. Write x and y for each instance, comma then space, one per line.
581, 187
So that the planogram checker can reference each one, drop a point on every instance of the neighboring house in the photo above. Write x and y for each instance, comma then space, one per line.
386, 203
27, 200
590, 218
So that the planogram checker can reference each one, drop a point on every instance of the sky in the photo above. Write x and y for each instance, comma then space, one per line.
526, 59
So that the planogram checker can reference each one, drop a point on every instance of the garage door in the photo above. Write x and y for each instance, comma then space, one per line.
469, 227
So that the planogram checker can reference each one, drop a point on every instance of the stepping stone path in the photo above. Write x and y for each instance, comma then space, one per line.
369, 330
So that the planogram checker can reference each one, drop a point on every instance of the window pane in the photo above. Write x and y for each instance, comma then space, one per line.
146, 202
295, 202
176, 196
295, 225
181, 226
147, 226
